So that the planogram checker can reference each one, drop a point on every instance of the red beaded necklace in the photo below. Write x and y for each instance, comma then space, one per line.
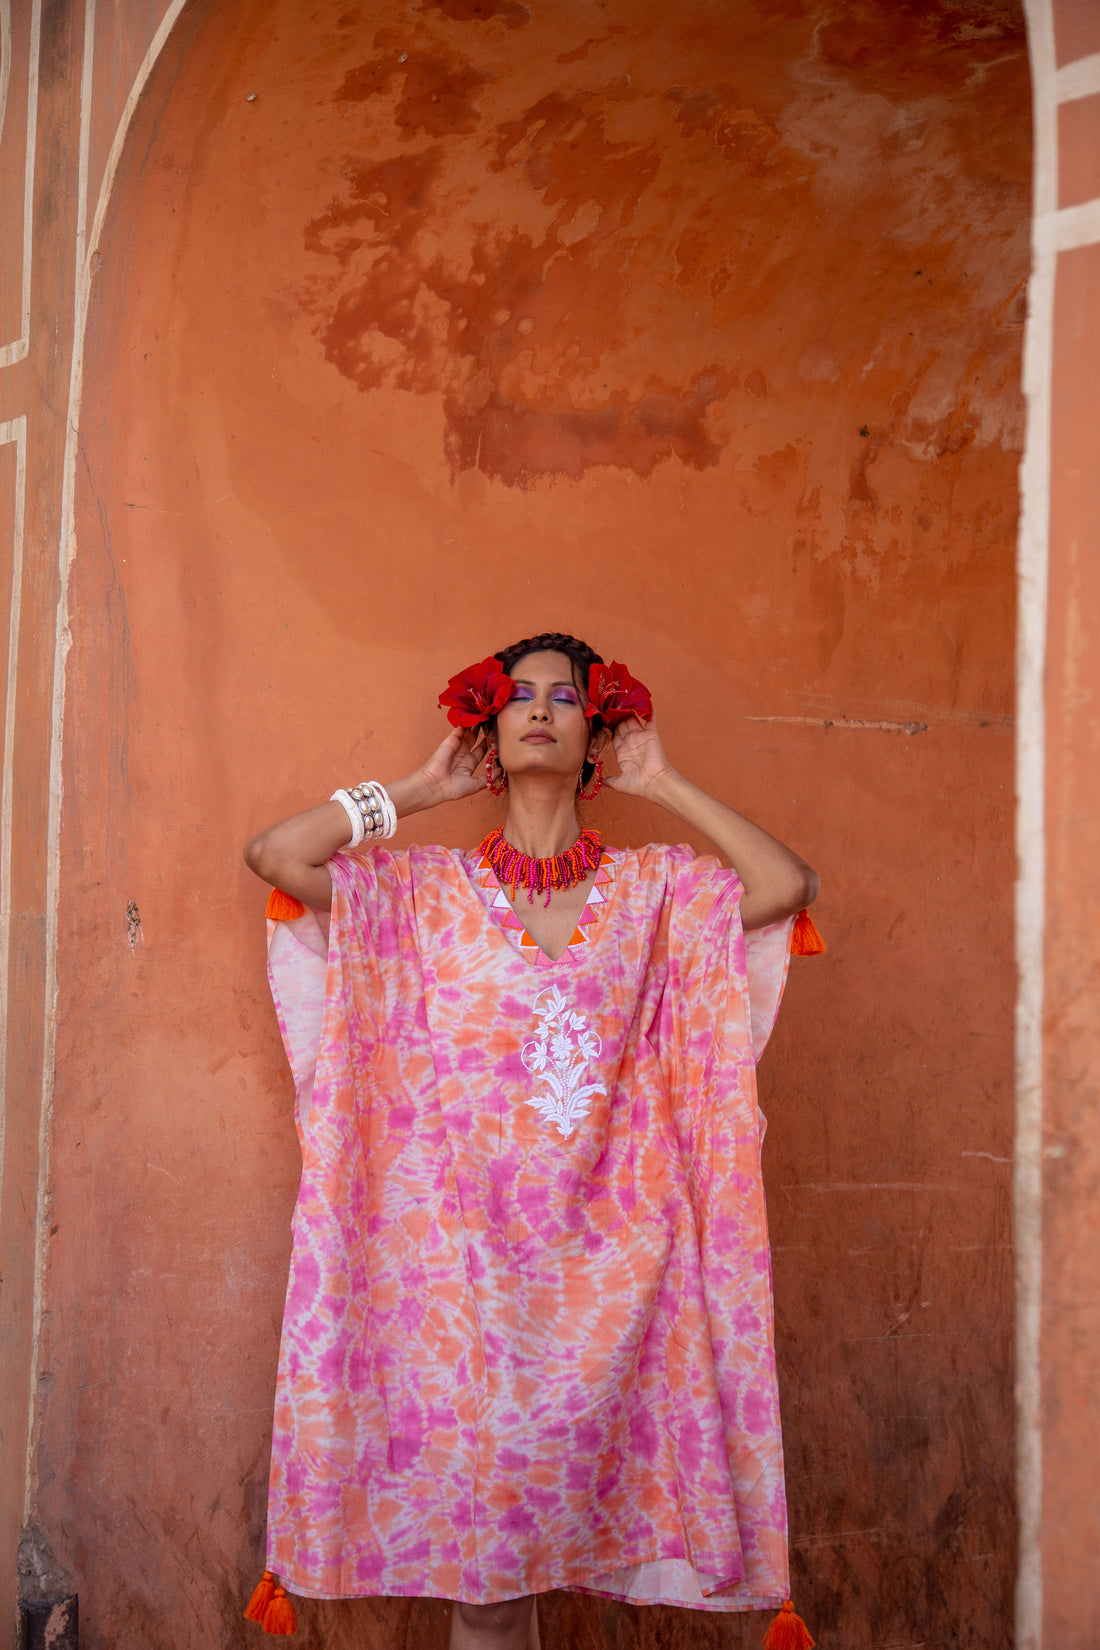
541, 875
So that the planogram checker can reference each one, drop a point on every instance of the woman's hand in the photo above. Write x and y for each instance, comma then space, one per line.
643, 765
449, 774
776, 880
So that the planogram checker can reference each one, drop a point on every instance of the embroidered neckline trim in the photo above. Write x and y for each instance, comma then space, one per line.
502, 914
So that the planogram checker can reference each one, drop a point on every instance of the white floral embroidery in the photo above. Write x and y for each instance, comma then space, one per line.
559, 1053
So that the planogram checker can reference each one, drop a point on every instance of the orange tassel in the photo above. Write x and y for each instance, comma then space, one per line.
283, 907
261, 1598
788, 1631
279, 1616
805, 939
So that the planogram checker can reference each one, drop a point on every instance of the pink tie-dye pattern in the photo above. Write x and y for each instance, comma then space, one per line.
514, 1360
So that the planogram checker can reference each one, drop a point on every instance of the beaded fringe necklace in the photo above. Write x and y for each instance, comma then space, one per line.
538, 876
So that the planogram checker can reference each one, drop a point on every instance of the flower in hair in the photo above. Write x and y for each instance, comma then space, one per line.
614, 694
476, 694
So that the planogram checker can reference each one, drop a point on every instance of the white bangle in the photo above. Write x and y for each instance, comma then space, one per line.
355, 818
370, 809
368, 796
388, 808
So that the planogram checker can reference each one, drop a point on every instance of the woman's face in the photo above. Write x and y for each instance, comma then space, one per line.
543, 728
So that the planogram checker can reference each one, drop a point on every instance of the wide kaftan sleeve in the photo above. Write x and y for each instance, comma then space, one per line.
704, 913
372, 892
767, 954
297, 966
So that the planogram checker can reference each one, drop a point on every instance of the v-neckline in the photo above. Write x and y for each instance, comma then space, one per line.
499, 910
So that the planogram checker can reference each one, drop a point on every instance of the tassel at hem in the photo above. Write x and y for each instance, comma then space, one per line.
262, 1595
279, 1616
788, 1631
270, 1607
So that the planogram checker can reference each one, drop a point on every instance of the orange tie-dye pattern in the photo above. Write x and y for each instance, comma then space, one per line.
528, 1333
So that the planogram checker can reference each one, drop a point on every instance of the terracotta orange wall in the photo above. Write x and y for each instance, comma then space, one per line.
697, 331
1071, 1249
1059, 1134
65, 92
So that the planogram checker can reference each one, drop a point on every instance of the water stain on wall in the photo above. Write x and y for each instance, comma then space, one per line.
741, 134
934, 49
581, 276
579, 53
516, 328
510, 12
436, 96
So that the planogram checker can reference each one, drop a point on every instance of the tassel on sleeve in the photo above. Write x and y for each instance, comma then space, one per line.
805, 939
788, 1631
283, 907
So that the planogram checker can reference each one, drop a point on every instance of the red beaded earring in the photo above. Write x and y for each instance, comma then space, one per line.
497, 787
596, 782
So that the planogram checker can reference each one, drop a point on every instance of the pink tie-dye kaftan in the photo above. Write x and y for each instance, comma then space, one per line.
528, 1332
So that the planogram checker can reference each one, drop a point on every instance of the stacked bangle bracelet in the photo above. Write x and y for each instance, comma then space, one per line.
370, 812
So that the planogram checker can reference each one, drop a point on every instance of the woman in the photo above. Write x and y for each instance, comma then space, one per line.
528, 1331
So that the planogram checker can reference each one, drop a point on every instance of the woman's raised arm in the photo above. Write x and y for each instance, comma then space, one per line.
294, 855
776, 881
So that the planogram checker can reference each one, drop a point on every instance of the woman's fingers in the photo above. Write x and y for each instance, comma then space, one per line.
473, 746
450, 747
457, 757
452, 766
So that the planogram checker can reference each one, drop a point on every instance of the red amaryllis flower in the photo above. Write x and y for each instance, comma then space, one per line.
476, 694
614, 694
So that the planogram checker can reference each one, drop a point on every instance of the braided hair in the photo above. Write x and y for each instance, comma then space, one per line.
580, 656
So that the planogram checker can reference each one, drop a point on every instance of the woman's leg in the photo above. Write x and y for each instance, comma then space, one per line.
508, 1626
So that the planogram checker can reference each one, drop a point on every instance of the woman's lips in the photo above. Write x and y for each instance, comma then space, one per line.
538, 739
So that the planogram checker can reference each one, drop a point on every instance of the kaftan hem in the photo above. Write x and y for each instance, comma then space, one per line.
568, 1583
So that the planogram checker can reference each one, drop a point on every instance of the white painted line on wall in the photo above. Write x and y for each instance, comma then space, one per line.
10, 353
13, 432
61, 648
1032, 576
1068, 228
156, 46
1080, 79
5, 61
87, 81
85, 247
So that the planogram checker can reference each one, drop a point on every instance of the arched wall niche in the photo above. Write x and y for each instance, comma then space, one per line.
419, 327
